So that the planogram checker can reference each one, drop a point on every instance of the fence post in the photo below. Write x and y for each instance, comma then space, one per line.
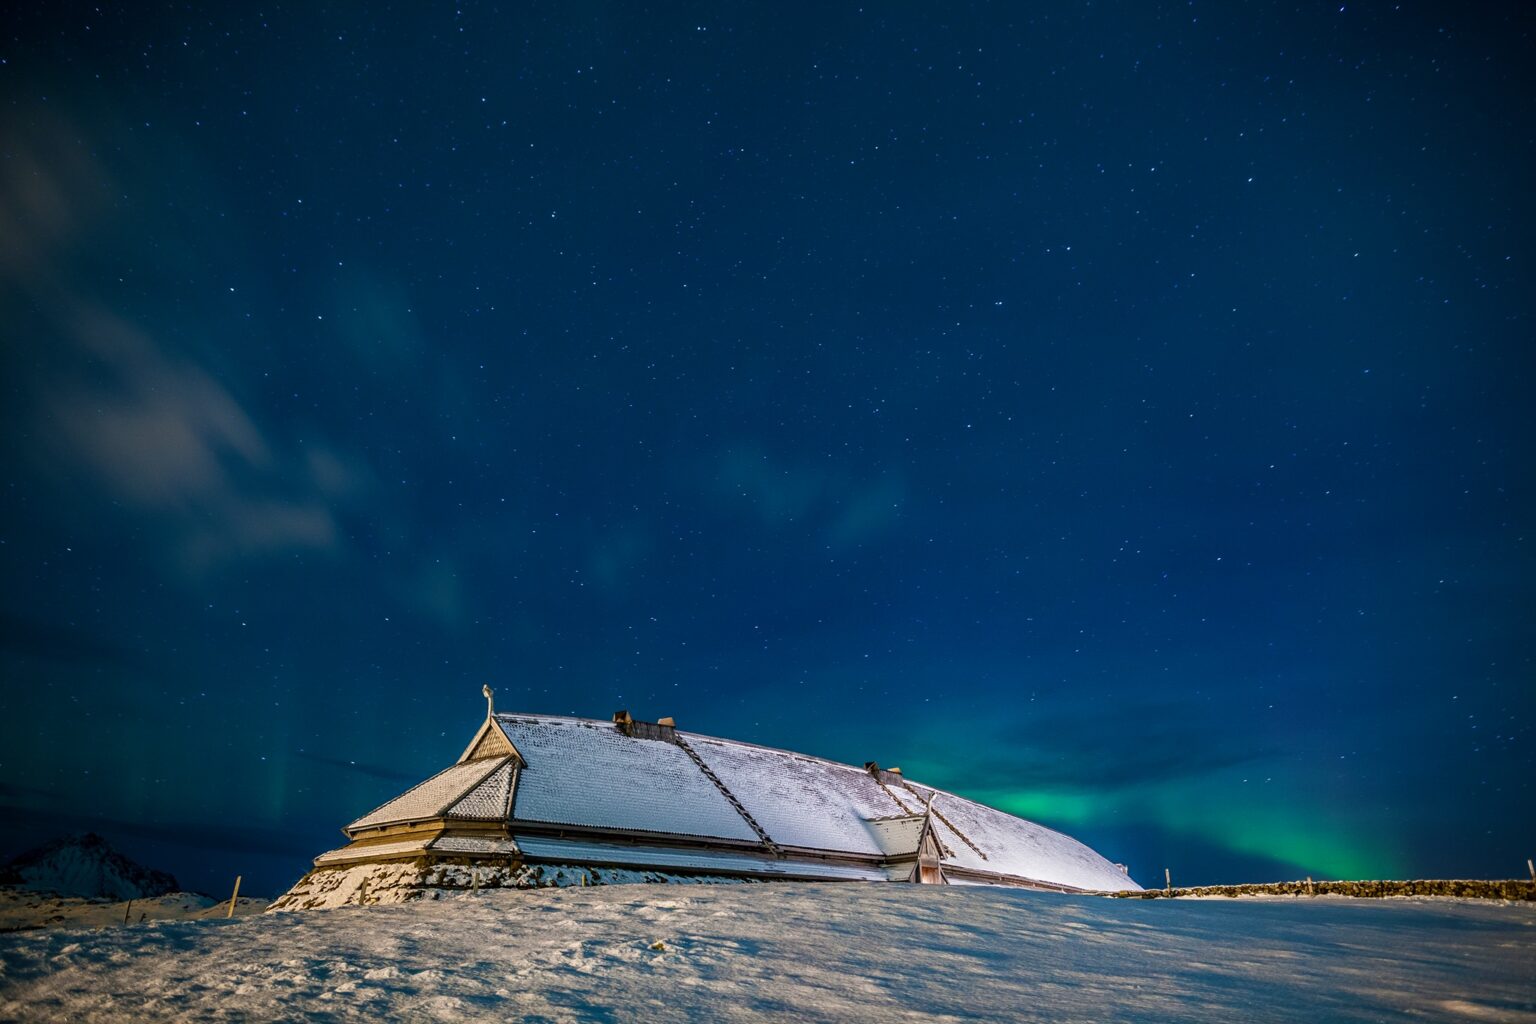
1167, 882
232, 897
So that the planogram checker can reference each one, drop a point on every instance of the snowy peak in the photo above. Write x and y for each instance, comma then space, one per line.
84, 865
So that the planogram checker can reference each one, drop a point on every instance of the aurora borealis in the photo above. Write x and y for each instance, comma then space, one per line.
1116, 413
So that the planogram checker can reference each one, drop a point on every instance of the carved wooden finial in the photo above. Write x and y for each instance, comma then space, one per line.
490, 700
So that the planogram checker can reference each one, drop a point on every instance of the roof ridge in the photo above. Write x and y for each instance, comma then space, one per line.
573, 719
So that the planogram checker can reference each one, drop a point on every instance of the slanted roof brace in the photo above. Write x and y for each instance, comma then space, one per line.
709, 774
874, 772
949, 824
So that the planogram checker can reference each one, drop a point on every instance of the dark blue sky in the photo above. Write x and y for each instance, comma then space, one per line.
1118, 413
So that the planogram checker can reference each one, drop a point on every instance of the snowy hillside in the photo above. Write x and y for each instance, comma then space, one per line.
84, 865
23, 908
825, 952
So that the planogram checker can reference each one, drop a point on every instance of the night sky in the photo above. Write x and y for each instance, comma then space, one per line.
1117, 413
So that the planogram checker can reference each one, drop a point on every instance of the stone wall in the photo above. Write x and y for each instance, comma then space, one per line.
1513, 889
424, 878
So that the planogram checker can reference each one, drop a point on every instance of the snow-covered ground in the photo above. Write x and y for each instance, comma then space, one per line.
21, 908
833, 952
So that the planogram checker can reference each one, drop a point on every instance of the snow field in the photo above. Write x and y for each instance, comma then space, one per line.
21, 909
820, 952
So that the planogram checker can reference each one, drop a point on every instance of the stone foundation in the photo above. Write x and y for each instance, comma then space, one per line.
369, 884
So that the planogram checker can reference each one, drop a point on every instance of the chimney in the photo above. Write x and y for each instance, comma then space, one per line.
665, 730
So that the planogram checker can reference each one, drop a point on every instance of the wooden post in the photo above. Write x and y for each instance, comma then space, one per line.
1311, 889
127, 910
232, 897
1531, 867
1167, 882
362, 891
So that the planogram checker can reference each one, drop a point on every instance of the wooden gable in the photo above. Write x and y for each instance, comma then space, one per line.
930, 854
490, 741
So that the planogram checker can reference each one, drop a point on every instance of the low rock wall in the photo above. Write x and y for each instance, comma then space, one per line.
1511, 889
423, 878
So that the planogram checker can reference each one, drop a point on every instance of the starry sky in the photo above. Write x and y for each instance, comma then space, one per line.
1118, 413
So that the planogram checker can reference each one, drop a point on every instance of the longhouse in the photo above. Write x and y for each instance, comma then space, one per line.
541, 800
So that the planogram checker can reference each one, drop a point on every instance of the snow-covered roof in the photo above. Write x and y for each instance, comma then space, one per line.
372, 851
898, 835
1014, 846
588, 773
799, 800
603, 778
489, 799
432, 798
482, 845
475, 844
